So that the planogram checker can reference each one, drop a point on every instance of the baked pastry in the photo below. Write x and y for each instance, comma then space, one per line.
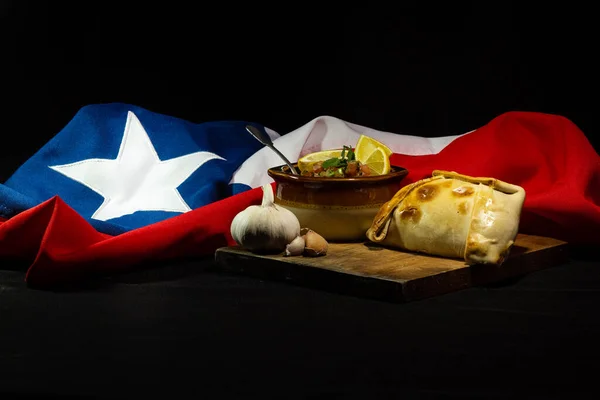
452, 215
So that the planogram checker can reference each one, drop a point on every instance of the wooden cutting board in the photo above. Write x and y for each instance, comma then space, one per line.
369, 270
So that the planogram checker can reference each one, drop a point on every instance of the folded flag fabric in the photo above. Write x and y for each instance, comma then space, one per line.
122, 167
122, 187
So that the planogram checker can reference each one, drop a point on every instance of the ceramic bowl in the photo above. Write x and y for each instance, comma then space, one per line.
339, 209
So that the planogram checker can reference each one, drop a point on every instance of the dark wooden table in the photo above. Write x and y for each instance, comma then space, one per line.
187, 330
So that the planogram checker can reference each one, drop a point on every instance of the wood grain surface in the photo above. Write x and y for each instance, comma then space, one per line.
373, 271
369, 270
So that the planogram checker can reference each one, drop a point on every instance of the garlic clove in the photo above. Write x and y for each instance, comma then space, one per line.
295, 247
315, 245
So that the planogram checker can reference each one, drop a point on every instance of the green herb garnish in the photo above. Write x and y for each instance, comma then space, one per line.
351, 155
332, 162
342, 161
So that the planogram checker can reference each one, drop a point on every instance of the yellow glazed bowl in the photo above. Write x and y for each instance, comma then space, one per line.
339, 209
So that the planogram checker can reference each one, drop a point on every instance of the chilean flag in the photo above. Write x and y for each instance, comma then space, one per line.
122, 187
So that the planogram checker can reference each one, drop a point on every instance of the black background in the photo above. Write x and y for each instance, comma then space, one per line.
426, 68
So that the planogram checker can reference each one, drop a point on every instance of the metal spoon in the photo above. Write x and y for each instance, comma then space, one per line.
266, 140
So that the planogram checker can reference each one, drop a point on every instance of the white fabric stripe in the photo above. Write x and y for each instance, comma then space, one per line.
323, 133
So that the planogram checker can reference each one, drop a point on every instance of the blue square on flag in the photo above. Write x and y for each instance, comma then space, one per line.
122, 167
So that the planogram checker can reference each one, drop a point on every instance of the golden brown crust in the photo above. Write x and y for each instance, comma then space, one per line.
452, 215
378, 229
496, 184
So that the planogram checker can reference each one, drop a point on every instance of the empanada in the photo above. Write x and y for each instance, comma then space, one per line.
452, 215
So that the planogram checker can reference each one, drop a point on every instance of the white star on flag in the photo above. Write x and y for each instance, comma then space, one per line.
137, 180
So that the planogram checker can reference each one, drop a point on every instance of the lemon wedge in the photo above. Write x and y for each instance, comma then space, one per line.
366, 145
306, 163
378, 162
374, 154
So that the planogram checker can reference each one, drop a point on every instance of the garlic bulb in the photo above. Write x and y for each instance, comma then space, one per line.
266, 228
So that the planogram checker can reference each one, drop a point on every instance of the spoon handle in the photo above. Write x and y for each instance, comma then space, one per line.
266, 140
261, 137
